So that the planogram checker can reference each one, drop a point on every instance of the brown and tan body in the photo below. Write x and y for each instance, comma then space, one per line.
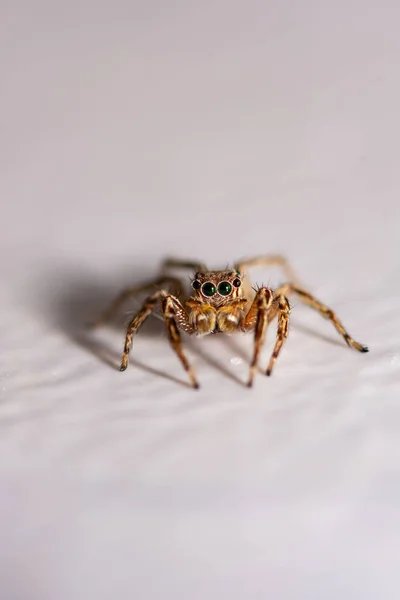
220, 312
222, 302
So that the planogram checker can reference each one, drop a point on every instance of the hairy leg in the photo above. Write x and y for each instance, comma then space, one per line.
134, 324
283, 310
266, 261
172, 313
110, 312
324, 311
257, 320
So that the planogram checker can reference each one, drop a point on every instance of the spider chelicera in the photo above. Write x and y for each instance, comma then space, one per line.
221, 302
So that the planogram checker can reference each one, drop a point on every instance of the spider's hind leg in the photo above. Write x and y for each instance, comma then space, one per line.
192, 265
324, 311
268, 260
110, 312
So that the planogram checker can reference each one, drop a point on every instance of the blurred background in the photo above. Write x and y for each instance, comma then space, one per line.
131, 131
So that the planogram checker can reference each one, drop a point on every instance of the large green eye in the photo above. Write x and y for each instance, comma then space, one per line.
208, 289
224, 288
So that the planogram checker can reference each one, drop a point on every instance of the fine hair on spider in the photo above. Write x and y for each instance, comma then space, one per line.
221, 302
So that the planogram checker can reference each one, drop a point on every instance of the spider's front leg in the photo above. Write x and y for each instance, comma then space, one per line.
257, 320
175, 317
282, 331
134, 324
265, 306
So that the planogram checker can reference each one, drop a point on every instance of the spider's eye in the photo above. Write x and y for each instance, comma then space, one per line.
208, 289
196, 284
236, 282
224, 288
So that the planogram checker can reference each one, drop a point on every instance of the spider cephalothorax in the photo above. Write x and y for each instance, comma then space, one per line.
222, 302
217, 304
217, 287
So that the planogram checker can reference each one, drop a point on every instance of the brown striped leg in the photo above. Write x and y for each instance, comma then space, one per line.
148, 306
283, 310
110, 312
174, 315
325, 312
257, 319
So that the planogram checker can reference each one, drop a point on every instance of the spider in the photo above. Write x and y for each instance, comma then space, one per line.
221, 302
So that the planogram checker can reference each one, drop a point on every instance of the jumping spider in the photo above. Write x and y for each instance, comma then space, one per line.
222, 302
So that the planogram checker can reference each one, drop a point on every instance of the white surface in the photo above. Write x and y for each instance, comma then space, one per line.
212, 130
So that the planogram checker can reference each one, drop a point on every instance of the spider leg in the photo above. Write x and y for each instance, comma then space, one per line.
134, 324
324, 311
114, 307
283, 310
275, 260
193, 265
257, 319
175, 316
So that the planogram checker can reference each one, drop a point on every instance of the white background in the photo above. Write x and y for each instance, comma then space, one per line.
213, 130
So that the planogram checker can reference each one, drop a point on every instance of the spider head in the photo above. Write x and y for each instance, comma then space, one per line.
217, 287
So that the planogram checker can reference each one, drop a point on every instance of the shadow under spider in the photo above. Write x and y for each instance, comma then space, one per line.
112, 358
73, 298
212, 362
319, 336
